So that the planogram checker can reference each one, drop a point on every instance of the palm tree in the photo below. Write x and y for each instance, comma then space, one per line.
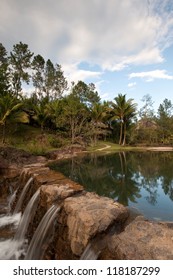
123, 110
11, 112
40, 113
53, 110
98, 113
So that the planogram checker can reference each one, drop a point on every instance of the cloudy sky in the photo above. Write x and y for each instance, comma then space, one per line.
122, 46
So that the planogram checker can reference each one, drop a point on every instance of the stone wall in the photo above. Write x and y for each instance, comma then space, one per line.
87, 220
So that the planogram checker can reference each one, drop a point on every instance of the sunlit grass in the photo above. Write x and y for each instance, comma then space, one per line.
103, 145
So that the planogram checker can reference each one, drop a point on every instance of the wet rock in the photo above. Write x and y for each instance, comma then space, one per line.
88, 215
143, 240
55, 193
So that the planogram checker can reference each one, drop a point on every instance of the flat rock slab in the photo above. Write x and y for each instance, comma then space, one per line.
53, 193
144, 240
88, 215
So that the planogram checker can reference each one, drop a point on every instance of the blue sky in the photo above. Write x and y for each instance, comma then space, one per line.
122, 46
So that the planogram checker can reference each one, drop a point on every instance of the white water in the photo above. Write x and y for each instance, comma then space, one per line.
14, 248
44, 230
21, 198
11, 200
10, 219
9, 249
27, 217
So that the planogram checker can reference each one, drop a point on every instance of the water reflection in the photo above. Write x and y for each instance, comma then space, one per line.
142, 180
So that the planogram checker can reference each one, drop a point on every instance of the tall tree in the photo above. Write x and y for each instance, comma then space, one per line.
123, 111
146, 126
165, 120
48, 79
4, 74
86, 93
60, 82
38, 65
147, 111
98, 114
74, 117
20, 61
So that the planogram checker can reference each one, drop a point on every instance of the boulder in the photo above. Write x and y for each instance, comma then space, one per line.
54, 193
143, 240
89, 215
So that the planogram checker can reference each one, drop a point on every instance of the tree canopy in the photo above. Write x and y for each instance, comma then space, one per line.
75, 112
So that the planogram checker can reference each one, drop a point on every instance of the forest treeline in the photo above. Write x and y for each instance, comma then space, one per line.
73, 112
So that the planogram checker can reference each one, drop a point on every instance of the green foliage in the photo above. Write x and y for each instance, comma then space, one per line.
165, 122
4, 73
55, 142
11, 112
38, 65
76, 114
86, 93
20, 62
36, 148
123, 111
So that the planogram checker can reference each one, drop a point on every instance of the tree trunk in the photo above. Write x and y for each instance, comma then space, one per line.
124, 138
121, 133
95, 135
72, 131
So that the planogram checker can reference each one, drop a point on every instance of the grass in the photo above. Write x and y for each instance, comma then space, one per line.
31, 139
112, 147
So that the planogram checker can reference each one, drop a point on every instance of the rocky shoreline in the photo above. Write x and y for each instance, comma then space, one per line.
85, 219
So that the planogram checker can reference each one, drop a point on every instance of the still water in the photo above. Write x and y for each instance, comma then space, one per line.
141, 180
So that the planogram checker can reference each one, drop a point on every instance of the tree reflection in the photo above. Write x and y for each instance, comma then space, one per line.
122, 176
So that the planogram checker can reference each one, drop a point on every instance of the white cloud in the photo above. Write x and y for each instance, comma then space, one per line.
74, 74
152, 75
131, 85
112, 34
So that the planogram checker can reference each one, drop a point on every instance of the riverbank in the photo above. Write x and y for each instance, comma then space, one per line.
85, 220
86, 226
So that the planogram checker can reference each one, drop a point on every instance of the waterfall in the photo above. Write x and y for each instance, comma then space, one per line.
8, 247
37, 246
6, 220
13, 248
10, 250
27, 217
22, 195
11, 200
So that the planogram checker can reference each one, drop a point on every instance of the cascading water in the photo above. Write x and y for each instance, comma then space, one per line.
27, 217
13, 248
21, 198
11, 200
6, 220
37, 246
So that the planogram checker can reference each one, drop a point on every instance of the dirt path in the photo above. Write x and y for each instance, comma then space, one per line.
160, 149
104, 148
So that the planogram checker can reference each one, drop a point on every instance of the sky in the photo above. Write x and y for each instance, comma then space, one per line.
121, 46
